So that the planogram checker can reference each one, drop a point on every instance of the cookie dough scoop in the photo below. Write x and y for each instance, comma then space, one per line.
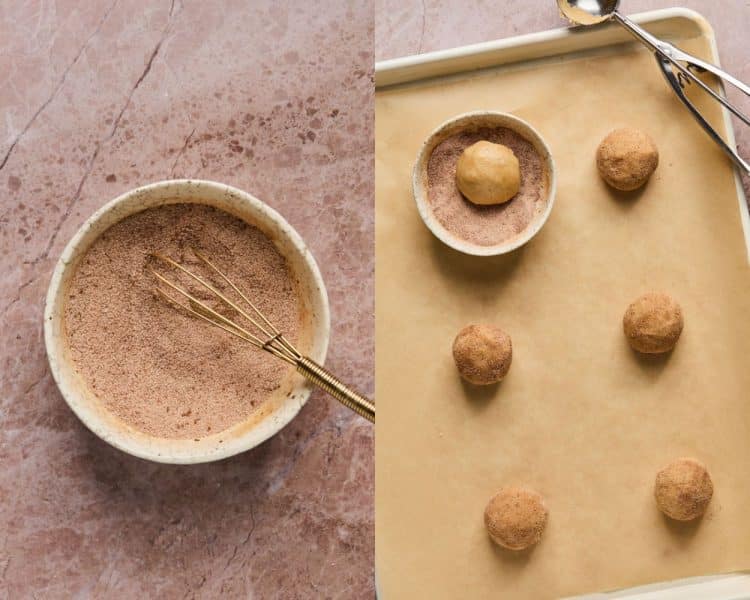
677, 66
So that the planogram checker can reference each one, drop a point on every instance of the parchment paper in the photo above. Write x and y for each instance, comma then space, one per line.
580, 417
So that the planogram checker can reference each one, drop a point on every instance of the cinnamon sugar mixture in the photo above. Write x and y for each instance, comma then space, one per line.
158, 368
486, 225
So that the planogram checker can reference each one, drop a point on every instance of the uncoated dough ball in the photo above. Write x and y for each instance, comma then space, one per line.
483, 354
653, 323
488, 173
515, 518
626, 158
683, 489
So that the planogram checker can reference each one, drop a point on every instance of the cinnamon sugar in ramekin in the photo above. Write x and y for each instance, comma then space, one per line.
155, 367
486, 225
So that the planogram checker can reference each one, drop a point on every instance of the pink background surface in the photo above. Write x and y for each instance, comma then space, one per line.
406, 27
101, 96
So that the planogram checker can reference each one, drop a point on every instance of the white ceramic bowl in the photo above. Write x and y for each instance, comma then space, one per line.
472, 121
281, 406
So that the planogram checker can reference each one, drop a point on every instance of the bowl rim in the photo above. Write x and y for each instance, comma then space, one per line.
277, 419
419, 188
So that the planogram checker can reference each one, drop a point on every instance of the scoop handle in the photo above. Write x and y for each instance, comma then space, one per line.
679, 69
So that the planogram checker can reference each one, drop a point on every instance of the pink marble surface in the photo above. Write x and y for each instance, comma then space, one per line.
96, 98
404, 27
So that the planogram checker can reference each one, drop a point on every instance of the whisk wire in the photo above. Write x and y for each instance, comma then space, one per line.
219, 320
218, 294
275, 342
276, 333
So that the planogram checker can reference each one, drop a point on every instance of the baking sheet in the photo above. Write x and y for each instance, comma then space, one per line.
579, 417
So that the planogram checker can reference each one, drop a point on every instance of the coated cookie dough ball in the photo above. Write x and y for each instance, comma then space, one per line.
515, 518
653, 323
683, 489
626, 158
488, 173
482, 353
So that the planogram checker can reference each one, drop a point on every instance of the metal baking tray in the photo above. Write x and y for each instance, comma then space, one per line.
547, 45
550, 46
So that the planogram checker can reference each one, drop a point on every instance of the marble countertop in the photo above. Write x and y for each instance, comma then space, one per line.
101, 96
417, 26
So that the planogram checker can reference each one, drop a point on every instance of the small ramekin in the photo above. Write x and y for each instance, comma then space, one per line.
281, 406
471, 121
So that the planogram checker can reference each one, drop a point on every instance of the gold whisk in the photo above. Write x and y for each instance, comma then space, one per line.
267, 336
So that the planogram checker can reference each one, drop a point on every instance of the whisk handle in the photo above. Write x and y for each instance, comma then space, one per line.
327, 381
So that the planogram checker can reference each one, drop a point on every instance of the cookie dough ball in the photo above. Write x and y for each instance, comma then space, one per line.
483, 354
515, 518
653, 323
488, 173
626, 158
683, 489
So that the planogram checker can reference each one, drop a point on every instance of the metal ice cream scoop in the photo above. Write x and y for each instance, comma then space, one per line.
678, 67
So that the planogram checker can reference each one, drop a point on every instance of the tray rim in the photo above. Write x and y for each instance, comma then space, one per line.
409, 69
390, 73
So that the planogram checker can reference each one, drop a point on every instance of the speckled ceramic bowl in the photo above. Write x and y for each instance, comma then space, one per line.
472, 121
281, 406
